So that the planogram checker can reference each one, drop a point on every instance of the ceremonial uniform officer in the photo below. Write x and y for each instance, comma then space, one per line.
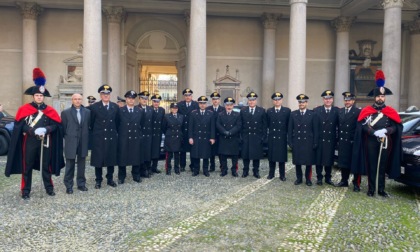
377, 148
130, 143
157, 118
229, 125
303, 139
104, 116
277, 124
120, 102
37, 131
201, 134
184, 108
91, 100
328, 120
172, 128
147, 131
347, 121
253, 133
216, 108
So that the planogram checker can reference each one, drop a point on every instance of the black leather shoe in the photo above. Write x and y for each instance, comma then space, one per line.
207, 174
283, 178
52, 193
82, 188
342, 184
156, 171
234, 174
329, 182
298, 182
370, 193
356, 188
97, 186
223, 174
69, 191
244, 174
26, 196
120, 181
195, 174
177, 172
111, 183
168, 172
308, 183
319, 182
257, 175
182, 169
383, 194
212, 169
270, 177
137, 180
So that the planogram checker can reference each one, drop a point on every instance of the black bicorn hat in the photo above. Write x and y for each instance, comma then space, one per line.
156, 97
131, 94
252, 96
187, 91
380, 88
119, 99
144, 94
229, 100
91, 99
174, 105
302, 97
215, 95
277, 96
348, 96
105, 88
202, 99
39, 80
327, 94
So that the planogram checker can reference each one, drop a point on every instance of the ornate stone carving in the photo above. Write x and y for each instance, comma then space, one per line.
270, 20
298, 1
187, 18
29, 10
114, 14
392, 3
342, 24
414, 26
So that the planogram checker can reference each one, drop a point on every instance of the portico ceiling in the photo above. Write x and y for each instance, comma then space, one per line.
365, 10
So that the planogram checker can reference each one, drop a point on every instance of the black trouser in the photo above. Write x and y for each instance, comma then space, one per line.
168, 165
255, 165
183, 160
223, 162
155, 164
282, 168
32, 153
69, 174
345, 175
109, 174
145, 168
308, 172
213, 162
196, 165
373, 146
328, 170
122, 172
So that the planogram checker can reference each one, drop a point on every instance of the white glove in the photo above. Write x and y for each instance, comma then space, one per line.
380, 133
40, 131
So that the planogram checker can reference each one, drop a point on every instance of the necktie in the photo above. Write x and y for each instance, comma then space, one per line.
188, 105
156, 110
106, 107
328, 111
215, 109
79, 117
202, 112
347, 110
277, 110
252, 111
228, 113
131, 110
301, 113
145, 111
174, 115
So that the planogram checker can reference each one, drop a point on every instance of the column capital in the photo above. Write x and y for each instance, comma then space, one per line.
298, 1
342, 24
187, 17
270, 20
114, 14
414, 27
392, 3
29, 10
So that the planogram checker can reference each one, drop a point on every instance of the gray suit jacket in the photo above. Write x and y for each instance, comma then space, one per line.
76, 136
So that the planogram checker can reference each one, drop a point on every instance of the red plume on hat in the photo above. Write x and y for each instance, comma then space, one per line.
39, 77
380, 78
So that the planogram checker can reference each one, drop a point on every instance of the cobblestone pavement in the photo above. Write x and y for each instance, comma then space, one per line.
185, 213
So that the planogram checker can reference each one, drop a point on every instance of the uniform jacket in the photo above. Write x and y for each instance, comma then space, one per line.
130, 135
277, 124
157, 119
231, 124
253, 133
76, 135
201, 128
346, 129
172, 128
215, 146
104, 134
183, 110
303, 137
328, 135
147, 133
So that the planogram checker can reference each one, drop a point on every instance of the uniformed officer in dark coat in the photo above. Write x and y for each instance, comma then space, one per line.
104, 116
229, 125
277, 124
91, 100
303, 139
157, 119
145, 168
172, 128
130, 143
120, 102
184, 108
347, 122
201, 136
216, 108
328, 136
253, 134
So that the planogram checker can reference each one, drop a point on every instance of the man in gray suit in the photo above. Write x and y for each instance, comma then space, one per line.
76, 121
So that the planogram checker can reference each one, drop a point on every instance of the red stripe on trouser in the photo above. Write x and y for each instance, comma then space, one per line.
359, 180
22, 183
236, 166
166, 161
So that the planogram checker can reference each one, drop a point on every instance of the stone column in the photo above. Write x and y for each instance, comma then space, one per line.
269, 58
30, 13
114, 16
342, 72
414, 76
391, 57
197, 48
92, 48
297, 51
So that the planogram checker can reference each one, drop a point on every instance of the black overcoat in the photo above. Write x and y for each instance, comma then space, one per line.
172, 128
147, 133
201, 128
104, 134
157, 120
303, 137
130, 143
277, 124
183, 110
215, 146
328, 135
229, 144
253, 133
346, 129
